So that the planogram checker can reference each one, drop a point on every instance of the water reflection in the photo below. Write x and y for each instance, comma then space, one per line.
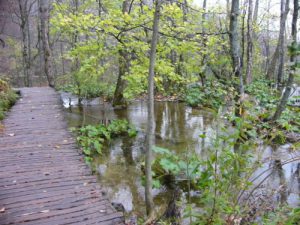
283, 179
178, 128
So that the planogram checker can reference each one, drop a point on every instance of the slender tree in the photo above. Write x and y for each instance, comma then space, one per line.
151, 122
24, 15
124, 65
249, 43
235, 45
278, 55
293, 60
285, 9
44, 14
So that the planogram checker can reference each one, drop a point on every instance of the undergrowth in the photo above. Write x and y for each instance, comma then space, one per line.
7, 98
92, 138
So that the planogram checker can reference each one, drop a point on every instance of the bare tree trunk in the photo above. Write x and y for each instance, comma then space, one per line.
243, 35
29, 46
151, 123
62, 58
278, 54
124, 64
40, 49
45, 40
99, 7
255, 15
249, 75
24, 31
267, 44
202, 73
235, 45
284, 10
282, 104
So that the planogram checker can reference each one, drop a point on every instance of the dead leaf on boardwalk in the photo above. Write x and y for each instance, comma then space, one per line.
11, 134
57, 146
27, 214
1, 127
65, 141
45, 211
2, 210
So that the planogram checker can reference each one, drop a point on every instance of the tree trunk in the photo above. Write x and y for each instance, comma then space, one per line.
282, 104
278, 54
235, 45
243, 35
124, 65
24, 31
255, 15
284, 13
202, 73
46, 48
151, 123
249, 44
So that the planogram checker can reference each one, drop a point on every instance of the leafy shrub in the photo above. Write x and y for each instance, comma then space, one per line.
212, 95
262, 91
7, 98
92, 138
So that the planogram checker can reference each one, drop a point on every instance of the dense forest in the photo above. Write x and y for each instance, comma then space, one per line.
236, 61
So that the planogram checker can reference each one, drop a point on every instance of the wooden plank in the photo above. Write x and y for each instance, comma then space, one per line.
43, 177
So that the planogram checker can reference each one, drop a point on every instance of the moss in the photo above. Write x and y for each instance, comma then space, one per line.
7, 98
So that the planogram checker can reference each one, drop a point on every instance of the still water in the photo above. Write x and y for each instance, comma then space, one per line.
177, 128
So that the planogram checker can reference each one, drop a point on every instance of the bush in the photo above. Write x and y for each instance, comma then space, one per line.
92, 138
212, 95
7, 98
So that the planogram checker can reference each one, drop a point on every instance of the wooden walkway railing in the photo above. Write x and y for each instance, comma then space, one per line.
43, 179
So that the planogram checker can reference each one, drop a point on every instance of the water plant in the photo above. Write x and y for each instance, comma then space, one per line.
91, 138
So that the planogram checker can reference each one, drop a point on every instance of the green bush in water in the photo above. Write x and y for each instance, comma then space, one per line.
92, 138
212, 95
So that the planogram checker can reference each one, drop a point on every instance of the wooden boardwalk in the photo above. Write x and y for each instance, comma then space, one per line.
43, 179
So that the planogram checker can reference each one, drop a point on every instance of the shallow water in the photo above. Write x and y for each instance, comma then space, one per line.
178, 128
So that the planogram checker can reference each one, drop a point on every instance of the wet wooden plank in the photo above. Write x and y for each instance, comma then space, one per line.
43, 178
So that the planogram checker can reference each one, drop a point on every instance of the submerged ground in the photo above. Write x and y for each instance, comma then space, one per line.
177, 128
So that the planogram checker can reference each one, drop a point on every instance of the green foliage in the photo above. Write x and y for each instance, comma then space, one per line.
7, 98
283, 215
220, 177
258, 113
213, 95
98, 40
90, 91
168, 165
92, 138
262, 91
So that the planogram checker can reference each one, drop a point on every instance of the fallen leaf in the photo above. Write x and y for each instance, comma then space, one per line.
12, 134
2, 210
45, 211
27, 214
57, 146
102, 210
